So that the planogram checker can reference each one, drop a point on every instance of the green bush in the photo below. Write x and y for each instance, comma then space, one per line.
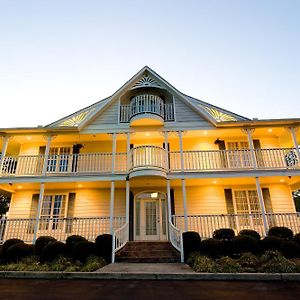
275, 262
82, 250
201, 263
103, 244
290, 249
212, 247
250, 232
296, 238
224, 234
17, 252
42, 242
9, 243
249, 262
191, 243
62, 263
93, 263
72, 240
270, 243
229, 265
281, 232
53, 251
244, 243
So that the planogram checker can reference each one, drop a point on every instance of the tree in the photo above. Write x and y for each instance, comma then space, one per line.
4, 205
296, 196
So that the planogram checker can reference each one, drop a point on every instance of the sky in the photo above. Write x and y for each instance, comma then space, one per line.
57, 57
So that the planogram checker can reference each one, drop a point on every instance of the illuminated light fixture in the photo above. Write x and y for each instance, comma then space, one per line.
205, 132
270, 130
281, 180
154, 195
147, 133
79, 185
215, 181
29, 138
19, 187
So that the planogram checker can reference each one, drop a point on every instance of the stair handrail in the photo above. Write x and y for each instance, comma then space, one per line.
175, 235
119, 239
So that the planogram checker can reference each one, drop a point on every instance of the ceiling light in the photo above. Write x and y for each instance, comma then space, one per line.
154, 195
19, 187
29, 138
147, 133
215, 181
205, 132
270, 130
79, 185
281, 180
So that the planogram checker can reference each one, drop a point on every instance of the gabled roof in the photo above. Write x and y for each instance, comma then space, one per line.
146, 77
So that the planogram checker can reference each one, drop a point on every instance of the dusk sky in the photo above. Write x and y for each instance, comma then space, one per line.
57, 57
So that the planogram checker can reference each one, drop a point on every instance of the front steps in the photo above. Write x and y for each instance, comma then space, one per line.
148, 252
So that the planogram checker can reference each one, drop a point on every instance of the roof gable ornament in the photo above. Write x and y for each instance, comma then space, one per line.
146, 81
218, 115
77, 119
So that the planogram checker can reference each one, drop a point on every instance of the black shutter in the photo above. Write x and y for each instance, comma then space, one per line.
33, 212
258, 154
229, 205
267, 200
131, 215
76, 151
223, 157
172, 202
70, 212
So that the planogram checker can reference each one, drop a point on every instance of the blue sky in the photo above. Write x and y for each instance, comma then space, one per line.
59, 56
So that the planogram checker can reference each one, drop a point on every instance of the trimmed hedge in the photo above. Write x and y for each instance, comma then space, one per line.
191, 243
271, 243
212, 247
243, 244
250, 232
281, 232
18, 251
103, 245
72, 240
82, 250
42, 242
296, 238
290, 249
53, 251
9, 243
224, 234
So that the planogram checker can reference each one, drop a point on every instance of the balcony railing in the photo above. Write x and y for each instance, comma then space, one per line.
144, 104
150, 157
59, 228
207, 224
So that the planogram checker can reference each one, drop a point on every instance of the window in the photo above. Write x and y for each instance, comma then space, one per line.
239, 155
59, 159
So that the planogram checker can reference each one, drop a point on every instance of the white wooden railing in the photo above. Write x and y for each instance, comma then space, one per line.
147, 157
59, 228
150, 157
207, 224
175, 237
120, 238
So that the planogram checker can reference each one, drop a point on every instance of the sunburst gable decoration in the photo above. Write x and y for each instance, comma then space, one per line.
76, 120
146, 81
218, 115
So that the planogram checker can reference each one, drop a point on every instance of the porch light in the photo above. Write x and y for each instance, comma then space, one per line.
19, 187
29, 138
270, 130
154, 195
147, 133
79, 185
215, 181
205, 132
281, 180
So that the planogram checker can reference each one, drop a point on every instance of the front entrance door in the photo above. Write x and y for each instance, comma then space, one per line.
150, 217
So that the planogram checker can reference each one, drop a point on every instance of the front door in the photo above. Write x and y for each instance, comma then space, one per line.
150, 217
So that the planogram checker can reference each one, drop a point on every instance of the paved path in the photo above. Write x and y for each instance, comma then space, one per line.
175, 268
15, 289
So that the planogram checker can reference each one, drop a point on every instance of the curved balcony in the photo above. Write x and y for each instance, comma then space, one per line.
147, 160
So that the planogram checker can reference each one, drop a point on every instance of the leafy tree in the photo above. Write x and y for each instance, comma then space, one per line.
4, 205
296, 196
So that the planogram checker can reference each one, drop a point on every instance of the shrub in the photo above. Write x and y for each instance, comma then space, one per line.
42, 242
290, 249
249, 262
201, 263
270, 243
275, 262
281, 232
53, 251
229, 265
296, 238
93, 263
249, 232
224, 234
72, 240
103, 244
9, 243
61, 263
17, 252
212, 247
191, 243
82, 250
243, 244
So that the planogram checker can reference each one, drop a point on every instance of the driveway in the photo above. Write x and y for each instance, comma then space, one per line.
16, 289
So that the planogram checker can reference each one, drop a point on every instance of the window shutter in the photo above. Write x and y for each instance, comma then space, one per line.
221, 145
259, 156
33, 212
267, 200
70, 212
229, 205
223, 157
42, 150
131, 215
172, 202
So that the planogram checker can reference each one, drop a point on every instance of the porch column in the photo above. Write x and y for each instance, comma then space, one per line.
3, 151
249, 132
111, 209
36, 226
184, 204
295, 142
114, 146
127, 200
47, 151
169, 201
166, 151
262, 205
181, 150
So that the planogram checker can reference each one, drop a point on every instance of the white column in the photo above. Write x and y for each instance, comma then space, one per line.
114, 146
169, 201
295, 142
181, 151
128, 150
249, 132
262, 205
3, 151
127, 200
184, 204
111, 210
47, 150
166, 151
41, 197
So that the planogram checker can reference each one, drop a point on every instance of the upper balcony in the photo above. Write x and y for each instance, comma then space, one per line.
146, 109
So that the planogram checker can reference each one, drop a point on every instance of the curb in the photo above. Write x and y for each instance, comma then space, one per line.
151, 276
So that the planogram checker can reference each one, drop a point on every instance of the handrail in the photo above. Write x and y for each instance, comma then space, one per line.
119, 240
175, 235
